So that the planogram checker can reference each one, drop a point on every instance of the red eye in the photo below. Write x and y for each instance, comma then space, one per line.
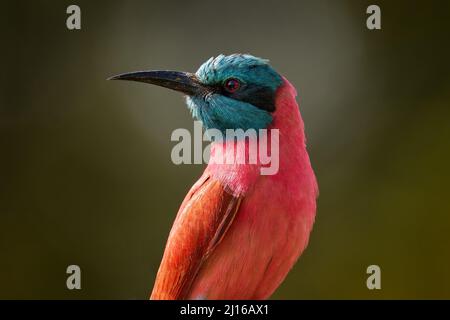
232, 85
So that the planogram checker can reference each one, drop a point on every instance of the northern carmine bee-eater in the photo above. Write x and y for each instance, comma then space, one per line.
238, 232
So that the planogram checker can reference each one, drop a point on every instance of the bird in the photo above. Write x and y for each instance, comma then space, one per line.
238, 233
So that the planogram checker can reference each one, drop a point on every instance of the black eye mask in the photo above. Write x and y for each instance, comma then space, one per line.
261, 97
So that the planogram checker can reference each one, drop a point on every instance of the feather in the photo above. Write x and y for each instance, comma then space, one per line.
201, 223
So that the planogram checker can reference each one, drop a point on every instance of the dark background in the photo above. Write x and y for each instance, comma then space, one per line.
85, 170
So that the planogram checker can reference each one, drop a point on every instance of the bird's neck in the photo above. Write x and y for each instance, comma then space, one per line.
240, 175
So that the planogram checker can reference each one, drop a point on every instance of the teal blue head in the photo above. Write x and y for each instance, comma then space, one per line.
227, 92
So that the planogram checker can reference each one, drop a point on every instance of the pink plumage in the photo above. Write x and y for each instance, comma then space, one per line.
238, 233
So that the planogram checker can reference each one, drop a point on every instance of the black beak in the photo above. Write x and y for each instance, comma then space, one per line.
185, 82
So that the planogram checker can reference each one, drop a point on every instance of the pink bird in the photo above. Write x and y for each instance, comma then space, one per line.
238, 231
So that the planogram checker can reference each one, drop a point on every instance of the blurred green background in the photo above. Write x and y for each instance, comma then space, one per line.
85, 170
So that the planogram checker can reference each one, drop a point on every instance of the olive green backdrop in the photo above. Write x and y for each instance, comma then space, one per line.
85, 170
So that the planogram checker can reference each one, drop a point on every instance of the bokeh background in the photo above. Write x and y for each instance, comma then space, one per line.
85, 170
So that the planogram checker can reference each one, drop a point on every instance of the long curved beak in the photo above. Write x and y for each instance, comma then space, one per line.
185, 82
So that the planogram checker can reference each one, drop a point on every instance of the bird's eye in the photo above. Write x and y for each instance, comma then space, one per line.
232, 85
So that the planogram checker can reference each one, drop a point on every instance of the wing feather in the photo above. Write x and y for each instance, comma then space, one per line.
201, 223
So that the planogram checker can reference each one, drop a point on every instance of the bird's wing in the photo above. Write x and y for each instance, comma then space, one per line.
203, 219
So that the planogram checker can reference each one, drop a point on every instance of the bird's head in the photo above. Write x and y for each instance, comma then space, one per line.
227, 92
